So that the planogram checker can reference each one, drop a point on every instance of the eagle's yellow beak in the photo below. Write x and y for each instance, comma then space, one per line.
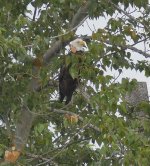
82, 43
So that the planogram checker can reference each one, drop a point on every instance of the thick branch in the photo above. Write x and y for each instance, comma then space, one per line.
81, 14
5, 118
23, 128
53, 51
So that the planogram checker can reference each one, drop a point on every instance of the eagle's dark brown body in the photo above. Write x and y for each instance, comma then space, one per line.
67, 84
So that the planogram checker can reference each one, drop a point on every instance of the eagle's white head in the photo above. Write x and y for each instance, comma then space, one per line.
78, 45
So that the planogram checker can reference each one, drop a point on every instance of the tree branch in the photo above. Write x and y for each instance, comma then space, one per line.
81, 15
79, 117
130, 47
41, 157
71, 30
136, 50
23, 127
5, 118
34, 15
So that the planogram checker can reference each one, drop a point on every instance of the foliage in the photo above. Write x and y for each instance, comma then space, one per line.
55, 137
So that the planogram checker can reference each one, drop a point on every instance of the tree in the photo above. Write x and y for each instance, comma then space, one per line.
35, 128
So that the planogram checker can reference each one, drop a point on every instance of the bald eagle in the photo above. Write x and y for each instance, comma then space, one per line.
68, 84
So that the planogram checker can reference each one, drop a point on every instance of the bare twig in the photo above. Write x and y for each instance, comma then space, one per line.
28, 46
40, 157
143, 40
116, 78
89, 26
71, 30
34, 15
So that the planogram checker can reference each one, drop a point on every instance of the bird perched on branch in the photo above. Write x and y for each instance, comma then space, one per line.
68, 84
